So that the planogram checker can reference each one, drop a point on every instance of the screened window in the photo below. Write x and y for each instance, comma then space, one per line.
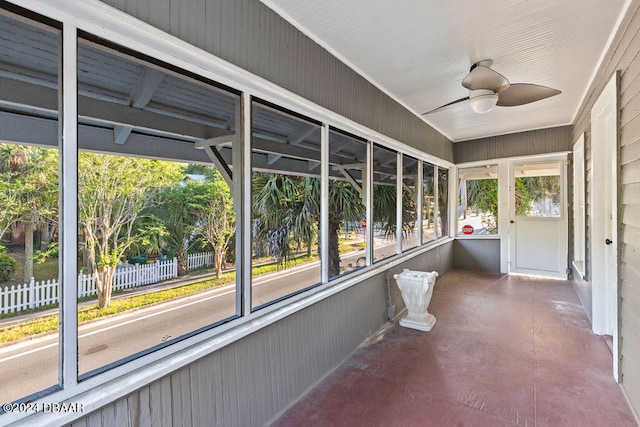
410, 197
428, 203
154, 204
537, 189
478, 200
29, 210
443, 203
285, 202
385, 164
347, 192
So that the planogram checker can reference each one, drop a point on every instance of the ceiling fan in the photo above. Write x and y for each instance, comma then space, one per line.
488, 88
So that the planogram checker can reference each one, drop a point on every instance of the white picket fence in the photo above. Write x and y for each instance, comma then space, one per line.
204, 259
132, 277
30, 295
37, 294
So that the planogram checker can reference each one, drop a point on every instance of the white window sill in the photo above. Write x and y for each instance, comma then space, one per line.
478, 236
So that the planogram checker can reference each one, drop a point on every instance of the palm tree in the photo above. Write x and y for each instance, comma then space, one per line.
384, 209
286, 211
345, 205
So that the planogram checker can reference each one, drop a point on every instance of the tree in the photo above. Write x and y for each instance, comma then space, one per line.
176, 213
384, 209
28, 193
345, 205
7, 265
523, 198
544, 189
283, 211
286, 212
216, 220
113, 192
9, 205
482, 194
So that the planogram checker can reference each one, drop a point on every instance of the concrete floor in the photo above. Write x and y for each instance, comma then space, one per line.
506, 351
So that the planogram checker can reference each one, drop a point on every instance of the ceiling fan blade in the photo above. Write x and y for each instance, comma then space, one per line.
466, 98
482, 77
524, 93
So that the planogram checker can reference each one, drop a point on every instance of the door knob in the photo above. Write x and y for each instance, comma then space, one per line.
608, 241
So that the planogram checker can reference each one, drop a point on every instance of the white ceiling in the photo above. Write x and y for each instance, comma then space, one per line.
418, 51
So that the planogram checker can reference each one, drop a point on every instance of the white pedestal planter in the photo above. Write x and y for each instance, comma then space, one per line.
417, 289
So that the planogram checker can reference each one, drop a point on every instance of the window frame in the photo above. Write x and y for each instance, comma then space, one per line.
418, 203
364, 191
447, 208
501, 168
256, 102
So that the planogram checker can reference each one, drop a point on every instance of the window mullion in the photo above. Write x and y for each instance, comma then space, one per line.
68, 360
436, 210
243, 195
452, 202
419, 200
368, 189
399, 184
324, 204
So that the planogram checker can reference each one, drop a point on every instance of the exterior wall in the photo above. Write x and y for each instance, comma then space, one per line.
623, 56
252, 36
477, 255
542, 141
251, 381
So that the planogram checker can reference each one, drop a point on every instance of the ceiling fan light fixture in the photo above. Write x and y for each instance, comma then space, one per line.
482, 100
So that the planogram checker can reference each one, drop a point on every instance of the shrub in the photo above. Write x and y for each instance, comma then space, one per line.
7, 265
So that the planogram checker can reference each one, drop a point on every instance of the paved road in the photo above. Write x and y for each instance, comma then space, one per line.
32, 365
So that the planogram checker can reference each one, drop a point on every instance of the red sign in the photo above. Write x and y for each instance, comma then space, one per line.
363, 223
467, 229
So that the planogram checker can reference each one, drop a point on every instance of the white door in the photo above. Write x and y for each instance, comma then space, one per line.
538, 218
603, 213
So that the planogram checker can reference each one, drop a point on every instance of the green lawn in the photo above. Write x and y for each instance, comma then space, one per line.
348, 247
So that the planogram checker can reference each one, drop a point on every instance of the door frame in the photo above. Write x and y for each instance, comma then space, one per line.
604, 174
511, 238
